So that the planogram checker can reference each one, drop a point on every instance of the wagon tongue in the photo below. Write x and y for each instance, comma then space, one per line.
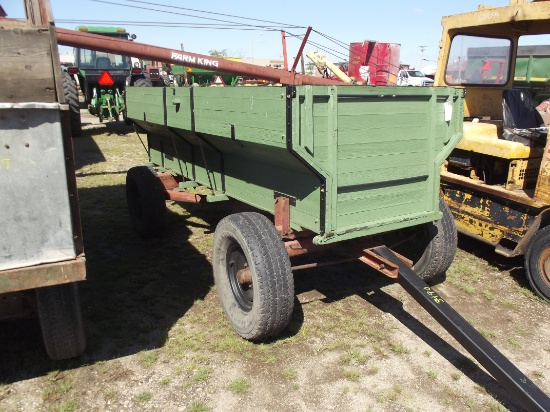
106, 79
510, 377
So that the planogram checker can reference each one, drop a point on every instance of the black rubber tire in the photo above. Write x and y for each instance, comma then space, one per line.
178, 80
431, 246
143, 82
146, 202
61, 321
71, 98
263, 307
537, 263
440, 239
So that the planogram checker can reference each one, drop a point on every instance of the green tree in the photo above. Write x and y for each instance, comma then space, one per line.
218, 53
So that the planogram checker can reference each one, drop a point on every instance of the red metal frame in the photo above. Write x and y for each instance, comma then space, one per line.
168, 181
283, 36
144, 51
380, 264
297, 247
282, 215
171, 193
294, 76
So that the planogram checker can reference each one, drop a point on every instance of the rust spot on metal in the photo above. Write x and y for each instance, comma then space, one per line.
514, 196
282, 215
382, 265
167, 181
244, 276
301, 246
185, 197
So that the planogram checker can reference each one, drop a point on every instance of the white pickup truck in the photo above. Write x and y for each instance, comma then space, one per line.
411, 77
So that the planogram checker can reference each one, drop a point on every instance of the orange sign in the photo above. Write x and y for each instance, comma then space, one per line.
218, 80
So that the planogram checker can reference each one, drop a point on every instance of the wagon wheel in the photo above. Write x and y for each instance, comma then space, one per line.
146, 202
537, 263
61, 321
252, 275
431, 246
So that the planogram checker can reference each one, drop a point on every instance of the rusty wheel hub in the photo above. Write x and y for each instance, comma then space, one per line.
544, 265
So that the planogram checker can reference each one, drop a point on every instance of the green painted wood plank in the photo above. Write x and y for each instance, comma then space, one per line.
377, 148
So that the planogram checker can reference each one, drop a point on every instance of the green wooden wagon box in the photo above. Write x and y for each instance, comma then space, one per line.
333, 164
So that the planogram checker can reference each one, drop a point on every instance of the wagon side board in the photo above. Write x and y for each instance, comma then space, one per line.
27, 66
354, 161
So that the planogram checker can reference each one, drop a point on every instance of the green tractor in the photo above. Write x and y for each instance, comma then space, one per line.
102, 78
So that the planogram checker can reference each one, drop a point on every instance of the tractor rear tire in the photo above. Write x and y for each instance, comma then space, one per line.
143, 82
260, 303
71, 98
146, 202
179, 80
537, 263
61, 320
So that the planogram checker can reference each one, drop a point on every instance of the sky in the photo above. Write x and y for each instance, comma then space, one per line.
415, 25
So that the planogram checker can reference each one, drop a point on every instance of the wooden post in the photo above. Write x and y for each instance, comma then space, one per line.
39, 14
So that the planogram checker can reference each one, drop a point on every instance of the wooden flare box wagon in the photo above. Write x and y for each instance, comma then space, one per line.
335, 165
